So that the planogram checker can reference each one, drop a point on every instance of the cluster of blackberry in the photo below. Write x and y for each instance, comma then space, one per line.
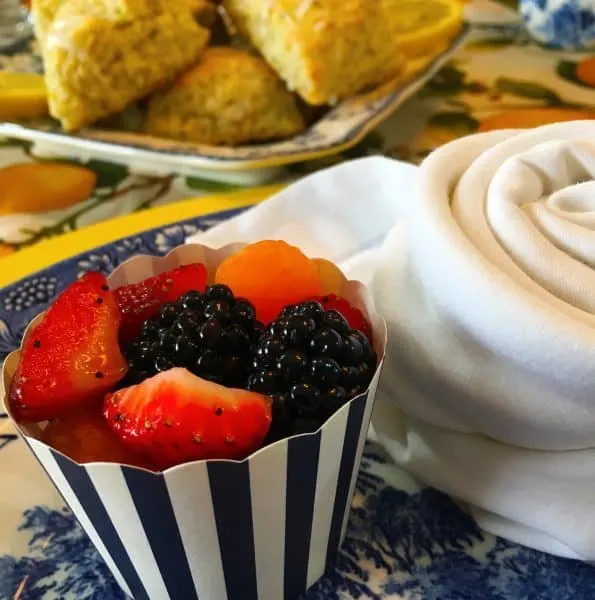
309, 361
213, 335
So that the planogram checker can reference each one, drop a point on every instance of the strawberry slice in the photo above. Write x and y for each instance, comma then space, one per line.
176, 417
354, 315
141, 301
72, 356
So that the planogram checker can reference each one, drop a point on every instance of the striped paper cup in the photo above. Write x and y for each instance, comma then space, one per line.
263, 528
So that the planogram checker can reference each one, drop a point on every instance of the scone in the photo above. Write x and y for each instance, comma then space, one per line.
43, 12
229, 98
324, 50
101, 56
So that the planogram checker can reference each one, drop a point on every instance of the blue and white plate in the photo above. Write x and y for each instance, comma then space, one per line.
403, 542
340, 128
567, 24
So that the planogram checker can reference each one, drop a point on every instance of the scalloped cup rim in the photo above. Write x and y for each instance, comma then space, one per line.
380, 340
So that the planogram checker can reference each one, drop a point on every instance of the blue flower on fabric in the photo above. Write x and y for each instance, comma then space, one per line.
566, 25
61, 562
587, 19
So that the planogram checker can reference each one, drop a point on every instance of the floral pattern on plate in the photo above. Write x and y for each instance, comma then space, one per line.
566, 24
403, 541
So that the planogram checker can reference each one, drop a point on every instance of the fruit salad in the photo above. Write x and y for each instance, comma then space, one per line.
191, 364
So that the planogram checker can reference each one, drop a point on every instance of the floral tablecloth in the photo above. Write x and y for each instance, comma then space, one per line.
500, 79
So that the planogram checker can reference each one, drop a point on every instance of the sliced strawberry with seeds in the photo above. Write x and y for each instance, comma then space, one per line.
141, 301
354, 315
72, 357
176, 417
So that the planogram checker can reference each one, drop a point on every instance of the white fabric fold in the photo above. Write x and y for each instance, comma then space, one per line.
482, 264
489, 292
342, 214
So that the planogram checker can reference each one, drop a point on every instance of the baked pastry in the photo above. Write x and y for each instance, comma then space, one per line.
230, 97
101, 56
43, 12
323, 49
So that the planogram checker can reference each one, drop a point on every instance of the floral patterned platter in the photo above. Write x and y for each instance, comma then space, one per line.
403, 541
340, 128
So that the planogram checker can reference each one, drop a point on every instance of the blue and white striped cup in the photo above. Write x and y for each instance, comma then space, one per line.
265, 528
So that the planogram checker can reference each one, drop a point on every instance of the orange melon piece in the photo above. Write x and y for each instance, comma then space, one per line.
271, 274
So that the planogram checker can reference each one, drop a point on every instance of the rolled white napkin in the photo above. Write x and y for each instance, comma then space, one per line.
488, 287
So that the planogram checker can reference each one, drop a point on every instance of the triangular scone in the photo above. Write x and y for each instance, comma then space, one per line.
102, 56
325, 50
44, 11
230, 97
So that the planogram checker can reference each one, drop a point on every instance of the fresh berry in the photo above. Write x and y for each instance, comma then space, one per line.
211, 334
271, 274
85, 436
141, 301
354, 315
176, 417
72, 356
311, 362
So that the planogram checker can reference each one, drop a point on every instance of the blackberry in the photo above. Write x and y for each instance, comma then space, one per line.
311, 363
213, 335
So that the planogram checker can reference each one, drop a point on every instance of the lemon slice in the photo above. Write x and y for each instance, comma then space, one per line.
22, 96
424, 25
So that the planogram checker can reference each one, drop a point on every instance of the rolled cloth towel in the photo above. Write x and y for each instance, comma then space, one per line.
488, 287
